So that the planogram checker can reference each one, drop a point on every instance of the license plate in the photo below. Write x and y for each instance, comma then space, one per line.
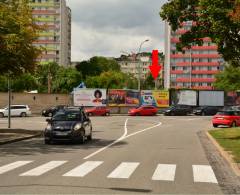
61, 133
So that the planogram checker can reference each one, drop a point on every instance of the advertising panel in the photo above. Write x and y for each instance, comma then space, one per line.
211, 98
89, 97
116, 97
187, 97
158, 98
132, 98
232, 98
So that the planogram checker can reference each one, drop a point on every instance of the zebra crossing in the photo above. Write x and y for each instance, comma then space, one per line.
163, 172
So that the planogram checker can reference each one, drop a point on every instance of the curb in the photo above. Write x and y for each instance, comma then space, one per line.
20, 139
224, 154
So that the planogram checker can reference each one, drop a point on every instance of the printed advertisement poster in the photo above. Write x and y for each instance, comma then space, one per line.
187, 97
132, 98
155, 98
116, 97
232, 98
90, 97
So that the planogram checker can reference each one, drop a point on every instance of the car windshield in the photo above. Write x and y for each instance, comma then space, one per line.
226, 113
67, 116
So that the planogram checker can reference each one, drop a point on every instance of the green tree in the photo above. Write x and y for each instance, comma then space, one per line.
65, 80
229, 79
24, 82
44, 73
17, 33
96, 65
3, 83
112, 80
214, 19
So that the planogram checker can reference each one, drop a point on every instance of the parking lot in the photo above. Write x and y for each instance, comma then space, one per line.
127, 154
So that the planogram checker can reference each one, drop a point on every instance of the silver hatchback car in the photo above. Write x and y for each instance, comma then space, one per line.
16, 110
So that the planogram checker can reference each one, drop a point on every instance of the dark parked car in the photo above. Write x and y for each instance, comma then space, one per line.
68, 125
49, 112
206, 110
178, 110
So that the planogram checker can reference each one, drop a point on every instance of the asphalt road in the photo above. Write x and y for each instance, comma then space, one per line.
127, 155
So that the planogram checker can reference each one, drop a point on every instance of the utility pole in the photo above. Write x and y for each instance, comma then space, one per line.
139, 67
190, 67
9, 102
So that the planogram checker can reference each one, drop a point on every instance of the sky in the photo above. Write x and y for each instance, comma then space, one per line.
111, 27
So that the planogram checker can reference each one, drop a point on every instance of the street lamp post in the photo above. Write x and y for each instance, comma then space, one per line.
139, 67
9, 102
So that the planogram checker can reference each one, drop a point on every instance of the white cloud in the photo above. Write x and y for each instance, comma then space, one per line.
102, 27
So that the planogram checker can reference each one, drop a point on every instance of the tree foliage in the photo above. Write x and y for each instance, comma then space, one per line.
112, 80
17, 33
229, 79
216, 19
96, 65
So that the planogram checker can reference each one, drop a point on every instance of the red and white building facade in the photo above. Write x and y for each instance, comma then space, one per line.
193, 69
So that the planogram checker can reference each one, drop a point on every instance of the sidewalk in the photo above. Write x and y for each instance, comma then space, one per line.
14, 135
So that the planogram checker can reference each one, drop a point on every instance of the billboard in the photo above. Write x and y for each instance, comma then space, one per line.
184, 97
119, 97
158, 98
232, 98
211, 98
89, 97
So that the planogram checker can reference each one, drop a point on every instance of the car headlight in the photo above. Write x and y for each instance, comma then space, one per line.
168, 110
77, 127
49, 127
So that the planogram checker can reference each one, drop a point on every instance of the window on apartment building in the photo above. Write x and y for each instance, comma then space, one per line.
200, 84
209, 76
173, 67
209, 84
209, 68
209, 60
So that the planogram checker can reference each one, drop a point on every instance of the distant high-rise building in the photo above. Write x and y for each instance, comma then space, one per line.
54, 18
196, 67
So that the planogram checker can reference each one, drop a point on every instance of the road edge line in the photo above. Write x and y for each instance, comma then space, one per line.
224, 154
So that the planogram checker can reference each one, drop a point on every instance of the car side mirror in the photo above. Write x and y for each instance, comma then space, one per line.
49, 120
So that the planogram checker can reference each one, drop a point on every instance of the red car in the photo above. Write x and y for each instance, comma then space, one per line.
98, 111
226, 118
143, 111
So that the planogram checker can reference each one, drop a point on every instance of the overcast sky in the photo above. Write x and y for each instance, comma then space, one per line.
107, 27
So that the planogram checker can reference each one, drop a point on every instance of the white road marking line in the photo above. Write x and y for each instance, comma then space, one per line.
83, 169
124, 136
43, 168
14, 165
109, 145
204, 173
165, 172
124, 170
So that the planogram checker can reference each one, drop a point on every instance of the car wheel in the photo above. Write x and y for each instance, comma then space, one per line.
47, 141
215, 126
23, 114
234, 124
50, 114
1, 115
82, 139
89, 137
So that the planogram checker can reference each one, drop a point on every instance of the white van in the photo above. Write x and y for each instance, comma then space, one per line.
16, 110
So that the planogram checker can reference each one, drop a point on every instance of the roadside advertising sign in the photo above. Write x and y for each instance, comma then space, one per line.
89, 97
158, 98
116, 97
187, 97
132, 98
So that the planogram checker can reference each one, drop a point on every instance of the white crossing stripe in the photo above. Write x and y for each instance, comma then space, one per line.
14, 165
124, 170
204, 173
83, 169
165, 172
43, 168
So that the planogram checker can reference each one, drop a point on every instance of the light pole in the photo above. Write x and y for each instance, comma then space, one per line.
9, 102
139, 68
